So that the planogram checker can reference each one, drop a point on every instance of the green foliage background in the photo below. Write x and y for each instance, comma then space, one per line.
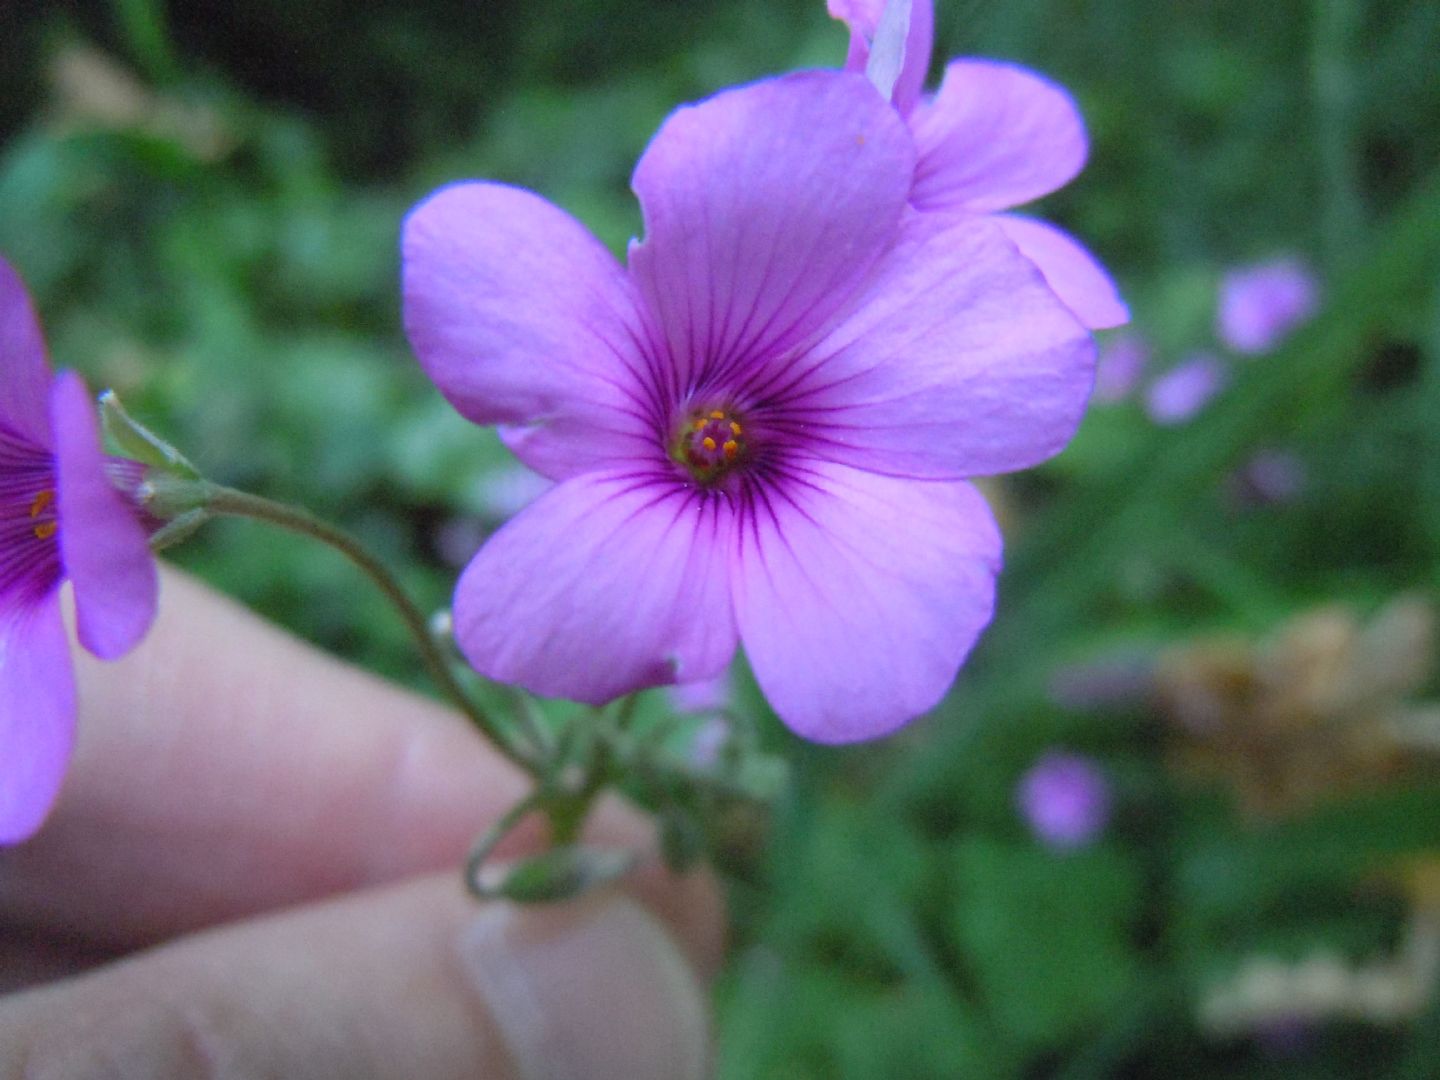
239, 288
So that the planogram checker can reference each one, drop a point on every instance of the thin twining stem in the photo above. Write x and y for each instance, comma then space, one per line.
233, 503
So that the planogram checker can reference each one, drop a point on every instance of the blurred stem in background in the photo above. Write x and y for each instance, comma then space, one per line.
1335, 38
1430, 460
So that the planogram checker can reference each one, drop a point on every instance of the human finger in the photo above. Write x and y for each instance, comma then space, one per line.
408, 980
225, 768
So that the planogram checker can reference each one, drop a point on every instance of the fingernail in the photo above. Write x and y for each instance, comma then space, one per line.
592, 990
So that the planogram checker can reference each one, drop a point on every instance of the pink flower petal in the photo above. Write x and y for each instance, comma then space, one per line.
37, 715
25, 378
996, 135
102, 543
1075, 275
765, 207
608, 583
520, 316
858, 597
960, 361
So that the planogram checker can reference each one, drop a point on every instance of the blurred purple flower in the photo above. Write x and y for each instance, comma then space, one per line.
1270, 477
1260, 305
1065, 799
703, 695
507, 490
1180, 393
61, 516
762, 430
1123, 359
710, 741
994, 136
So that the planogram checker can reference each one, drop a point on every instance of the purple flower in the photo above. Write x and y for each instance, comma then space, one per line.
1065, 799
61, 517
1261, 304
1123, 359
1179, 394
993, 137
761, 430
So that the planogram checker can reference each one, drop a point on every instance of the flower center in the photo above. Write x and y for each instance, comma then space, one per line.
709, 444
42, 513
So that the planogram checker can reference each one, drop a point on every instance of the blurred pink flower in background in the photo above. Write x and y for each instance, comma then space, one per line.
1180, 393
1261, 305
1065, 799
1123, 359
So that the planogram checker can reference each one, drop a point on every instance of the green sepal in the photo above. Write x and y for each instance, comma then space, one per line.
137, 441
178, 529
170, 496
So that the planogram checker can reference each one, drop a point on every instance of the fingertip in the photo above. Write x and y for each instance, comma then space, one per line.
411, 980
597, 989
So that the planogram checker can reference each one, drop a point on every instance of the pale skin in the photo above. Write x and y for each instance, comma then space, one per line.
253, 869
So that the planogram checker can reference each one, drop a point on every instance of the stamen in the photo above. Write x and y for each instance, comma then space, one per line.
43, 530
710, 446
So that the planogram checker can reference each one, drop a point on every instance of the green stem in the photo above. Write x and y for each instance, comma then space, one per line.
569, 811
475, 862
228, 501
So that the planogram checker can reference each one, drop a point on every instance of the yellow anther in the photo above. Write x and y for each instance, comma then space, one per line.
699, 424
717, 415
44, 499
708, 443
731, 448
45, 530
734, 428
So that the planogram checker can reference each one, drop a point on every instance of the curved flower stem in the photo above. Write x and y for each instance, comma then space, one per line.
233, 503
475, 861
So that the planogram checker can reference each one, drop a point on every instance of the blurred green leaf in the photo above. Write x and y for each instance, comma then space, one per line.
1048, 937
